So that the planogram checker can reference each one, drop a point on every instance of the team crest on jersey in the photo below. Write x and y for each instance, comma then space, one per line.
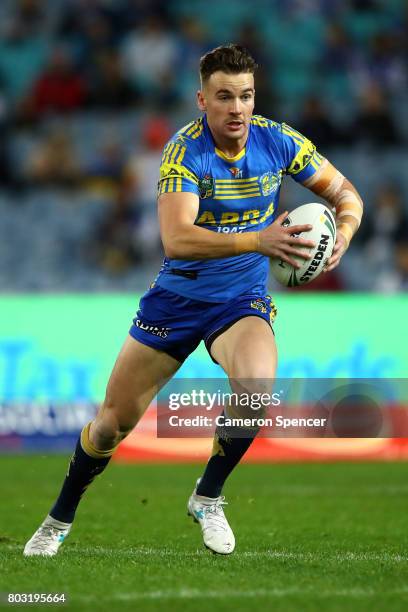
206, 186
259, 304
236, 172
269, 183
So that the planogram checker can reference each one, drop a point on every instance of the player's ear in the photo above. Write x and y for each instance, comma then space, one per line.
201, 101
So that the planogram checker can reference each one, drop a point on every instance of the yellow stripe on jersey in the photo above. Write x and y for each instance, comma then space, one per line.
291, 131
262, 121
239, 193
298, 138
193, 131
197, 133
163, 186
171, 152
186, 127
236, 181
167, 153
181, 155
259, 121
192, 128
236, 196
316, 160
171, 185
237, 188
196, 129
174, 153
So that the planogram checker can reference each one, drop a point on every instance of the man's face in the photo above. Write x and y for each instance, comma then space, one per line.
228, 100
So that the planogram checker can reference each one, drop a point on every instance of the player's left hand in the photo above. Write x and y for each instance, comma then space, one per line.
339, 249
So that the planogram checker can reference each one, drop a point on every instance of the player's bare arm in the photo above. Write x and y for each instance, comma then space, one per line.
184, 240
341, 194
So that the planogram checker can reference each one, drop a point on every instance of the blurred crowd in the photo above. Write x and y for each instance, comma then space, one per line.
90, 91
62, 56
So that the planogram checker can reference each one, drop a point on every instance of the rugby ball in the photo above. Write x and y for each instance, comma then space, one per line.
323, 235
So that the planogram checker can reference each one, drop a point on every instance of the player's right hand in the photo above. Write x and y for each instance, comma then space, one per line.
283, 242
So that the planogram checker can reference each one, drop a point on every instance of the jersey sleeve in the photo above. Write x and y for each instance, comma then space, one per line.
300, 158
179, 168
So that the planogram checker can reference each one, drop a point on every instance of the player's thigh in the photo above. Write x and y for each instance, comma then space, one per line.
247, 350
138, 374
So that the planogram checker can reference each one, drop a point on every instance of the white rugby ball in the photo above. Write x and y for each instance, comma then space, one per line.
323, 235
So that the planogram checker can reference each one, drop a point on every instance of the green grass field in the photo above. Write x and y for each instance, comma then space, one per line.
309, 537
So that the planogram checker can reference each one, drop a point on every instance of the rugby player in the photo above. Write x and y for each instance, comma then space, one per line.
219, 186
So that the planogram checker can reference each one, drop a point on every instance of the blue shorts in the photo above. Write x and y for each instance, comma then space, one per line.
176, 325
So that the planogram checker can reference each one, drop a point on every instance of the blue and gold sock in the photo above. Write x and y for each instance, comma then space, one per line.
227, 452
86, 463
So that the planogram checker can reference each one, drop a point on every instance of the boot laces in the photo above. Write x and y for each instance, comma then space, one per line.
214, 517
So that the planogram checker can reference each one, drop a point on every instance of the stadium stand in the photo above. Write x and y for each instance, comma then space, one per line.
80, 80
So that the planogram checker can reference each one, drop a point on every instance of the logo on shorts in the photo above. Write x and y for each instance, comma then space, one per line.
269, 183
206, 186
260, 305
162, 332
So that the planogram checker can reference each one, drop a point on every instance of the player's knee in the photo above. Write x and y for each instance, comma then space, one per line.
251, 397
105, 436
109, 428
255, 383
259, 366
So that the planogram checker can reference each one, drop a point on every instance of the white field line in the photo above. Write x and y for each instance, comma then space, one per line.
317, 490
343, 556
202, 595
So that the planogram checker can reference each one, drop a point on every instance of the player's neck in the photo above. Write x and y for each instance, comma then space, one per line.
231, 149
227, 146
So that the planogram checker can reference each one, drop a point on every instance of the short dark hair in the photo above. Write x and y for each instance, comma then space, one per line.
232, 59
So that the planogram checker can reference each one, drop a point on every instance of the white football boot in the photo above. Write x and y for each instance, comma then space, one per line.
48, 538
208, 511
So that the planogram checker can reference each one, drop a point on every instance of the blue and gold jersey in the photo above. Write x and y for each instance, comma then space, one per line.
236, 194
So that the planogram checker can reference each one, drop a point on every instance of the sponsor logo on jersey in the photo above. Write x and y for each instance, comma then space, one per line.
236, 172
260, 305
269, 183
206, 186
162, 332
